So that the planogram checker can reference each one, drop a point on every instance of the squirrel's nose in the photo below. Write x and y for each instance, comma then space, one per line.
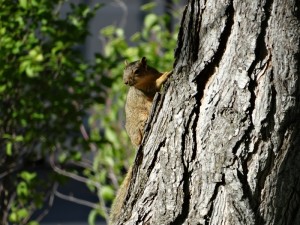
126, 82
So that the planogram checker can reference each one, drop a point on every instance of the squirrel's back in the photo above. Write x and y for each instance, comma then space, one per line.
137, 110
142, 81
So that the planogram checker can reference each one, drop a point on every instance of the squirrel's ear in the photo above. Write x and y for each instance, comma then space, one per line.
143, 61
126, 63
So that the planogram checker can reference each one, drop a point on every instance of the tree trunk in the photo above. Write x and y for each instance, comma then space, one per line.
222, 144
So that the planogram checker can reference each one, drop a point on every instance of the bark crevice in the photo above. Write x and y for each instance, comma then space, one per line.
183, 215
213, 198
185, 209
180, 37
154, 159
196, 35
261, 52
269, 122
210, 67
194, 132
261, 49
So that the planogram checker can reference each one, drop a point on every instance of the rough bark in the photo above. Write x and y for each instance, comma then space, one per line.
222, 144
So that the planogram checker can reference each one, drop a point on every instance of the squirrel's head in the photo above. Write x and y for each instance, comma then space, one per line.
134, 72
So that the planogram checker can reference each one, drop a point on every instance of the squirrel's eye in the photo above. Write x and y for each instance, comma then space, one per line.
137, 71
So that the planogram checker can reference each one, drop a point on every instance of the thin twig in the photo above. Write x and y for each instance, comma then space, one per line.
9, 171
125, 12
72, 175
84, 132
80, 179
50, 203
6, 210
86, 137
112, 176
84, 165
76, 200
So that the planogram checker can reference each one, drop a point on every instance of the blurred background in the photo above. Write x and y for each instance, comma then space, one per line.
63, 148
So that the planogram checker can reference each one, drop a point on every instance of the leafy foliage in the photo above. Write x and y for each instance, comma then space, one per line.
56, 107
45, 88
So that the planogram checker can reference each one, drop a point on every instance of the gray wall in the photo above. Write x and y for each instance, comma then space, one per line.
125, 14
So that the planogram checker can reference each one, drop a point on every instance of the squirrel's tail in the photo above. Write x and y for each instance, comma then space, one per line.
120, 198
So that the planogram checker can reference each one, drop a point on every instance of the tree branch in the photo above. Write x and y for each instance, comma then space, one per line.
72, 175
86, 137
76, 200
83, 180
50, 203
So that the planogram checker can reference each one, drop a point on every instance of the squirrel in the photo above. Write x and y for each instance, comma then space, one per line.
144, 82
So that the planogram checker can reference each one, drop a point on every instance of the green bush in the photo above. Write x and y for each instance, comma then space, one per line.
56, 107
45, 89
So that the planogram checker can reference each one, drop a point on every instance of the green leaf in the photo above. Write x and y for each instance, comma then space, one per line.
22, 213
131, 52
2, 30
75, 21
76, 155
108, 31
2, 88
92, 217
148, 6
30, 72
62, 157
111, 135
28, 176
24, 122
19, 138
22, 189
36, 54
24, 3
109, 161
13, 217
79, 78
9, 148
38, 116
86, 11
150, 20
59, 45
119, 32
107, 192
33, 223
18, 215
135, 38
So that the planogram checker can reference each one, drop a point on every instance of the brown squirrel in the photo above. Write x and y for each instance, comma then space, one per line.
144, 82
